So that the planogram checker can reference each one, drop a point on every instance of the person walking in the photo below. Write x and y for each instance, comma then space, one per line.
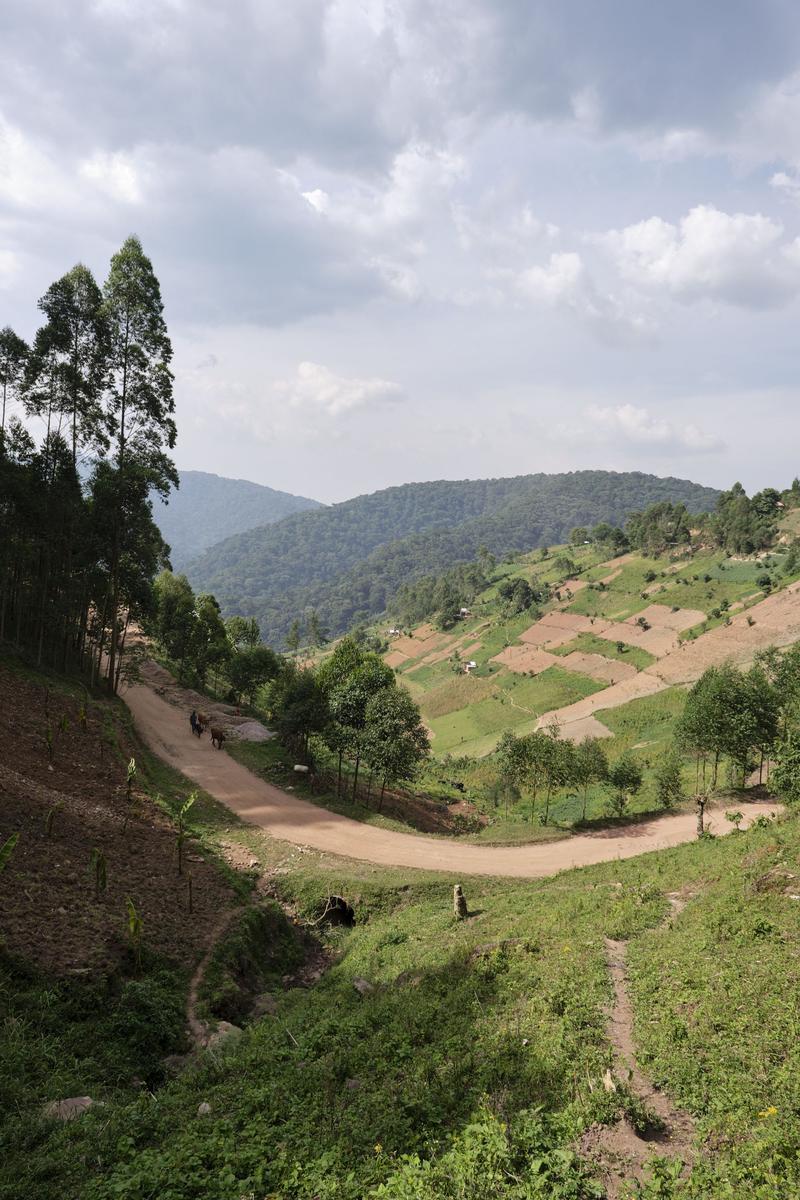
193, 721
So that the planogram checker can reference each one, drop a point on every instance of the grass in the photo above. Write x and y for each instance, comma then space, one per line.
519, 703
463, 1074
650, 719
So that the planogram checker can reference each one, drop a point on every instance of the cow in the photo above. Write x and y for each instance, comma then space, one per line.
217, 737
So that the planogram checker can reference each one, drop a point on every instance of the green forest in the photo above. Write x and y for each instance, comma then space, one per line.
349, 561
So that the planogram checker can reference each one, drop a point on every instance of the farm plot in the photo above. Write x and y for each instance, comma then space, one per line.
526, 659
596, 666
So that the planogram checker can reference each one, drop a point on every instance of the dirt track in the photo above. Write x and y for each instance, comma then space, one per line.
166, 730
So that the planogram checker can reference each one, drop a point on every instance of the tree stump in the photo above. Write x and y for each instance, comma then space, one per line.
459, 903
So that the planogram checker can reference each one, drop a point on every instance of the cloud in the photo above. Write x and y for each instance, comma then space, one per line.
736, 258
115, 174
638, 427
315, 388
563, 282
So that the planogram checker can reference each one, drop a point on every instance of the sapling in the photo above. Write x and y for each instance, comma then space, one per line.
735, 818
97, 865
181, 836
63, 723
48, 738
129, 792
7, 849
51, 816
135, 931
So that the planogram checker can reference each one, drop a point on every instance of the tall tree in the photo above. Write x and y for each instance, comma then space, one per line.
75, 338
140, 410
13, 357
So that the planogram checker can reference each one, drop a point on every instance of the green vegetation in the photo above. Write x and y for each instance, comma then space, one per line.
207, 508
478, 1054
75, 565
349, 561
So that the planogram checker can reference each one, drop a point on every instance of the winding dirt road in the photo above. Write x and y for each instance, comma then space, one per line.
165, 729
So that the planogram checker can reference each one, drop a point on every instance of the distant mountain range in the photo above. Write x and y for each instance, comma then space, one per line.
348, 560
209, 508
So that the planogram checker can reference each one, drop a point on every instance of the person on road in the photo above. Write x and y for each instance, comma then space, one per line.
193, 721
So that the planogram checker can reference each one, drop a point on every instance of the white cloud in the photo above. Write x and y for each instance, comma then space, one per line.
318, 389
563, 282
637, 426
115, 174
737, 258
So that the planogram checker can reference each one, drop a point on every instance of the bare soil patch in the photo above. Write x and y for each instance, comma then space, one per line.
776, 622
48, 911
526, 659
641, 684
596, 666
662, 617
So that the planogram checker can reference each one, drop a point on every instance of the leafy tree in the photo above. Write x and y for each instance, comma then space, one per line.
590, 765
395, 740
174, 617
348, 703
293, 637
298, 705
579, 535
250, 668
669, 779
210, 645
785, 774
243, 632
625, 776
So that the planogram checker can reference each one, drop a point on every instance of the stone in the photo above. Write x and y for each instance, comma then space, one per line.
222, 1035
69, 1109
204, 1109
608, 1082
265, 1006
363, 986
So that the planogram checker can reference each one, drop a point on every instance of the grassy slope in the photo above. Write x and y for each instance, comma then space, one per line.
474, 1076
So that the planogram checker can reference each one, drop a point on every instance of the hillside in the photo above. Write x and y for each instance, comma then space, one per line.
349, 560
433, 1058
615, 640
209, 508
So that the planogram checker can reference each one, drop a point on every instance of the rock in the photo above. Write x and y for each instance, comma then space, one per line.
776, 880
223, 1035
608, 1082
265, 1006
67, 1110
204, 1109
174, 1064
363, 986
301, 768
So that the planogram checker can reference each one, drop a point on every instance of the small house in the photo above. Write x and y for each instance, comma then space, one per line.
470, 666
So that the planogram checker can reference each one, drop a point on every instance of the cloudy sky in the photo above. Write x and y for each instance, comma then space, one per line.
417, 239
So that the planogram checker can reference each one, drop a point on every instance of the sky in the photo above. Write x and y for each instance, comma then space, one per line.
419, 239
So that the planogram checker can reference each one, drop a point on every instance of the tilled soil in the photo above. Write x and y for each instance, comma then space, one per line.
49, 913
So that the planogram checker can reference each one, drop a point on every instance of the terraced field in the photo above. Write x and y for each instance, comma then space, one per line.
616, 632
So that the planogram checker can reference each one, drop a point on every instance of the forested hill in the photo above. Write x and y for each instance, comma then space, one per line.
209, 508
347, 561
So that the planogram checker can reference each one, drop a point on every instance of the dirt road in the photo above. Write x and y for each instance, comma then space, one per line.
165, 729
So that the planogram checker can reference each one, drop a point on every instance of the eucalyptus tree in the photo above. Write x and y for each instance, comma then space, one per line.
139, 410
13, 358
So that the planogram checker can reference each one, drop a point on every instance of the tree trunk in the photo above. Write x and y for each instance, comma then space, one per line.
383, 789
355, 777
339, 777
701, 808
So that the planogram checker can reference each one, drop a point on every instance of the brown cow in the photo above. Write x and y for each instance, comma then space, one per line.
217, 737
